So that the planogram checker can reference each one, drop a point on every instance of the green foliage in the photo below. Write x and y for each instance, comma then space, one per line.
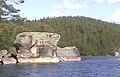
92, 37
7, 10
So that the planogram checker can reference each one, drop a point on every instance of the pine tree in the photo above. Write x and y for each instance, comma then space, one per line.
7, 10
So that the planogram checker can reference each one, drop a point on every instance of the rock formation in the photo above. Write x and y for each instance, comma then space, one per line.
36, 44
68, 54
40, 47
7, 57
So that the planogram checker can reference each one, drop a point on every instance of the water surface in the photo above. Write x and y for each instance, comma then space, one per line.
88, 67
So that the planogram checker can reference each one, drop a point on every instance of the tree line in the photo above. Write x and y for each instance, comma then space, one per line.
92, 37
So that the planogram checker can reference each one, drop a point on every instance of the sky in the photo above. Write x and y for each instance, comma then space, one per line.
105, 10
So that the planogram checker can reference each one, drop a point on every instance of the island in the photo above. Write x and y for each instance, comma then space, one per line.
39, 47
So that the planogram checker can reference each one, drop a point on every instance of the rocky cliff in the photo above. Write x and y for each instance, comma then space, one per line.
36, 44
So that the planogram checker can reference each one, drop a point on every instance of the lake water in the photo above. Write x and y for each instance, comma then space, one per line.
88, 67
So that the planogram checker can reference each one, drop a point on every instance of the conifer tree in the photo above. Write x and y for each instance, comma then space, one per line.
7, 10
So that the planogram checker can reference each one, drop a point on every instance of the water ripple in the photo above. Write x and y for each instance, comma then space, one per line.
89, 67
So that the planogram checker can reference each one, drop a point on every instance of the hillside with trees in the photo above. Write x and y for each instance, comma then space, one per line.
92, 37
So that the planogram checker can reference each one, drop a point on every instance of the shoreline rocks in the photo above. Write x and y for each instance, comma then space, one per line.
39, 60
8, 61
39, 47
71, 51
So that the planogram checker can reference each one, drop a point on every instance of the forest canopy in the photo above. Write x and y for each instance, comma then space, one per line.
92, 37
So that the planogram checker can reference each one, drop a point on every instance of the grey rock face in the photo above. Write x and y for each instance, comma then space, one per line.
68, 52
36, 44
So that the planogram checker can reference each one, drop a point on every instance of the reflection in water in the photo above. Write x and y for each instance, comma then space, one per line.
89, 67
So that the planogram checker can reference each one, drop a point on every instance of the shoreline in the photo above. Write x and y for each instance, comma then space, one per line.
39, 60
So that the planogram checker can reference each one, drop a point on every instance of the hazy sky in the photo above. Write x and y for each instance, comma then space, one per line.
106, 10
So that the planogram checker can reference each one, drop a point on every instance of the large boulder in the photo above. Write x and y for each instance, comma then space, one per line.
7, 60
68, 52
33, 44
